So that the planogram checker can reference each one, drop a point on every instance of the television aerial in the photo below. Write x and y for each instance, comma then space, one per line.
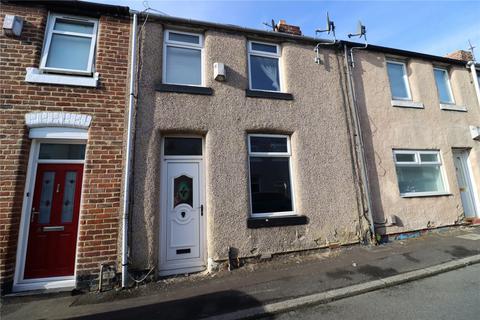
330, 28
272, 26
471, 49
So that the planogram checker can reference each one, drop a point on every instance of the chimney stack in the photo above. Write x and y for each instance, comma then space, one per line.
460, 55
283, 27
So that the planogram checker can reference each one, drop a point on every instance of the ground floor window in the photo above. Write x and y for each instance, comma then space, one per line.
419, 172
271, 190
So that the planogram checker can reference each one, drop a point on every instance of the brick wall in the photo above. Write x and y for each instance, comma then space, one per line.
101, 196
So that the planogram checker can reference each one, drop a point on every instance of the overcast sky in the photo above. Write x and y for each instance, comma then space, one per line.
434, 27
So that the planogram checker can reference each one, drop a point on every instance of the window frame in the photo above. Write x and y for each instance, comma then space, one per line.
277, 55
405, 80
419, 163
184, 45
271, 155
447, 73
49, 31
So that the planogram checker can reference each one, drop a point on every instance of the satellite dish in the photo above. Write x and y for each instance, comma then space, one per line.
361, 30
330, 25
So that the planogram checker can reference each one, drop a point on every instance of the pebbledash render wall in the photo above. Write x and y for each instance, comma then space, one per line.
316, 119
386, 128
100, 209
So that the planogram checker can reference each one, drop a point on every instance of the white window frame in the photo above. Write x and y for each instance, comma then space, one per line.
52, 18
405, 80
185, 45
272, 155
452, 102
418, 163
276, 55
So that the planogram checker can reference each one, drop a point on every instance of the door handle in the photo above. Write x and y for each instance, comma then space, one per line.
201, 210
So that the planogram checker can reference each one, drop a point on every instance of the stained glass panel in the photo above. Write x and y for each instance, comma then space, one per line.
182, 191
69, 196
48, 181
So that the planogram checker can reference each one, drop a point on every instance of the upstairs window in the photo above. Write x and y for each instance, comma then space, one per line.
264, 66
443, 86
271, 191
69, 44
419, 172
397, 75
182, 58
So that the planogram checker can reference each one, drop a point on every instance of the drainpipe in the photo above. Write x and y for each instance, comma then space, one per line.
126, 186
473, 68
359, 140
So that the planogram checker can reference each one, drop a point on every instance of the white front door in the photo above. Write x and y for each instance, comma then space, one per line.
465, 183
182, 218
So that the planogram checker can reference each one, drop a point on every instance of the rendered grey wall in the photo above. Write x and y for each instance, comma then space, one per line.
321, 156
386, 128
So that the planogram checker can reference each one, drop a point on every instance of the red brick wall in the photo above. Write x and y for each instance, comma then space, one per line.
101, 196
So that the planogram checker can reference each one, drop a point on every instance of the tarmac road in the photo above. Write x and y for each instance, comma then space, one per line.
451, 295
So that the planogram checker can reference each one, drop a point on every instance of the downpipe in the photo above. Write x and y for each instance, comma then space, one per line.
359, 140
126, 186
473, 68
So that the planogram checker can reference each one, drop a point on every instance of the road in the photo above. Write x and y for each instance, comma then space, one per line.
451, 295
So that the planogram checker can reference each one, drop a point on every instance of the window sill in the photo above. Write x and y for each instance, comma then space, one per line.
452, 107
425, 194
268, 94
35, 76
407, 104
255, 223
177, 88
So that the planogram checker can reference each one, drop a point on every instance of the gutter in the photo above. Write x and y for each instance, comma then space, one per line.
126, 186
359, 141
473, 68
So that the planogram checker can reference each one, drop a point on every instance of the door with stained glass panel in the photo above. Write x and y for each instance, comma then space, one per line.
54, 221
183, 212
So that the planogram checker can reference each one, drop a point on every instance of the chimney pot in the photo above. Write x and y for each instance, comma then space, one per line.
283, 27
460, 55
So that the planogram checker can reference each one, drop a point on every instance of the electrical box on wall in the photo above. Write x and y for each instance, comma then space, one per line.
475, 131
219, 71
12, 25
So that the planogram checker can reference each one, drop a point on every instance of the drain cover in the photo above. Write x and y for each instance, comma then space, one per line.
470, 236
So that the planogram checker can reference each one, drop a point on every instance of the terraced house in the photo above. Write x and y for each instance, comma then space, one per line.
243, 147
243, 143
62, 113
420, 116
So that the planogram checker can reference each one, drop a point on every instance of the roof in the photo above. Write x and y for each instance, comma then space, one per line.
76, 7
289, 37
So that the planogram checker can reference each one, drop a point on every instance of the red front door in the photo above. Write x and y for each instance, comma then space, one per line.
52, 236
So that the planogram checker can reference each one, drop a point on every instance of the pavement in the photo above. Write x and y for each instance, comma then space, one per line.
266, 289
450, 295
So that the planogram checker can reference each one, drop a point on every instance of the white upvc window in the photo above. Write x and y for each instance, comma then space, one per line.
419, 173
271, 187
397, 75
183, 58
264, 71
69, 45
444, 89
